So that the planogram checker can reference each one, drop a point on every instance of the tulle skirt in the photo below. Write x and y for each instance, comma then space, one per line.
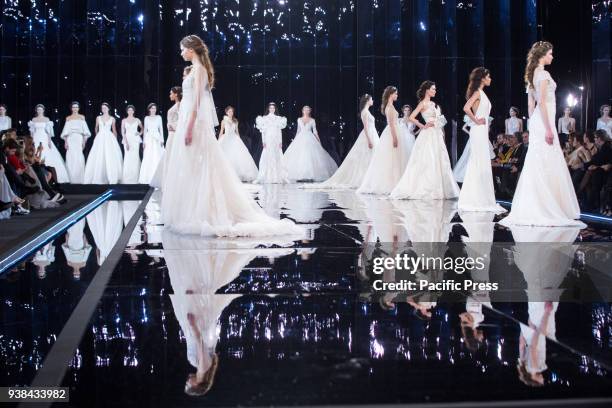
306, 159
385, 168
352, 170
203, 195
477, 192
428, 174
239, 157
544, 195
105, 162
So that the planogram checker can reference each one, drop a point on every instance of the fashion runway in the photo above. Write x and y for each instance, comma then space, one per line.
191, 321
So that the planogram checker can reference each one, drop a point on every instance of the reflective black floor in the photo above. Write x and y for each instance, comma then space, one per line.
188, 321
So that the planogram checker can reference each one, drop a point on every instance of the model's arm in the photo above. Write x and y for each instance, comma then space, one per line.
366, 129
544, 111
222, 129
414, 120
392, 121
467, 108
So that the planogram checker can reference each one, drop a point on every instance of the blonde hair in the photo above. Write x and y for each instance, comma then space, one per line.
197, 45
537, 51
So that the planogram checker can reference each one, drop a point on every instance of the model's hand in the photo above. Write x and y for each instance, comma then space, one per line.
127, 146
370, 145
65, 147
428, 125
481, 121
549, 136
592, 167
49, 144
395, 142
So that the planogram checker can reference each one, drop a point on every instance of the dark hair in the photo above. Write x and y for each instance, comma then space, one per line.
601, 108
476, 77
390, 90
75, 103
130, 107
3, 106
268, 107
178, 91
406, 106
601, 134
149, 106
234, 118
40, 105
197, 45
10, 144
589, 135
514, 109
425, 85
518, 135
363, 101
105, 104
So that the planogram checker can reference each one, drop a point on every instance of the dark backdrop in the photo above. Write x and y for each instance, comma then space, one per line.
323, 53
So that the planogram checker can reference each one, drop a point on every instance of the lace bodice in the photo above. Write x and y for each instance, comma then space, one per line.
369, 118
310, 126
605, 126
230, 125
543, 75
172, 116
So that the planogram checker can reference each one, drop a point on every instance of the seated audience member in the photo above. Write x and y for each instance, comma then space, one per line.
44, 175
506, 168
500, 146
589, 142
15, 177
9, 201
598, 172
9, 134
576, 159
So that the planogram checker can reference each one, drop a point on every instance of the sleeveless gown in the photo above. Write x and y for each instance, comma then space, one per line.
75, 134
544, 195
352, 170
131, 161
153, 148
477, 192
428, 174
201, 192
105, 162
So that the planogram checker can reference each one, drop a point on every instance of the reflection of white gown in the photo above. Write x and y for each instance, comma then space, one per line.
544, 195
201, 193
105, 224
351, 172
544, 267
42, 133
305, 158
477, 192
75, 134
105, 161
271, 165
428, 174
76, 249
385, 168
236, 152
131, 161
153, 153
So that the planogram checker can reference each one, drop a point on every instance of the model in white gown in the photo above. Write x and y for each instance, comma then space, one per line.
352, 170
5, 121
201, 192
153, 145
105, 162
461, 165
271, 166
41, 129
428, 174
234, 148
513, 124
605, 121
131, 131
385, 168
477, 192
544, 195
76, 248
406, 134
75, 135
305, 158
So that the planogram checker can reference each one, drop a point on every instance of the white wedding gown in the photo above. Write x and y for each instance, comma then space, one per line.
105, 161
236, 152
352, 170
305, 158
131, 161
461, 165
42, 133
153, 148
428, 175
385, 168
75, 134
544, 195
201, 192
407, 140
271, 166
477, 192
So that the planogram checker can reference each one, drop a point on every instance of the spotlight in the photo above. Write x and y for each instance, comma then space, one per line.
571, 101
